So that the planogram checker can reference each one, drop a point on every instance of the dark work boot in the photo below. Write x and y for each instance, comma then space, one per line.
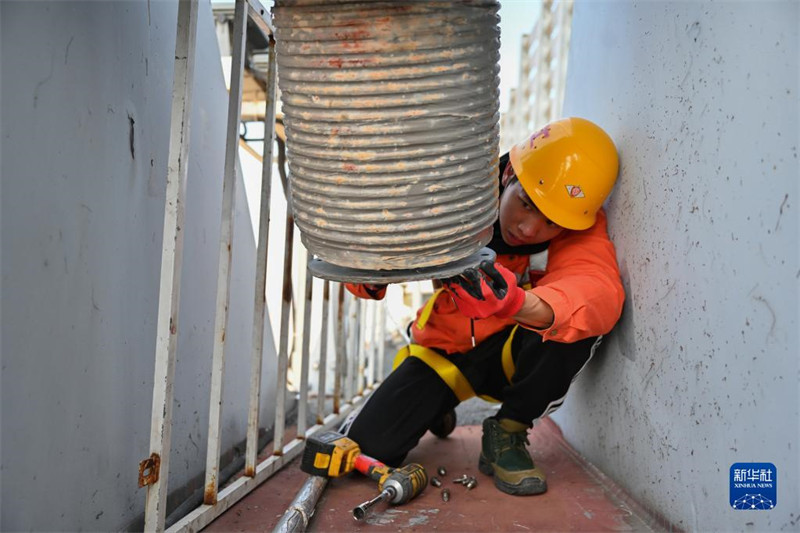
504, 456
445, 425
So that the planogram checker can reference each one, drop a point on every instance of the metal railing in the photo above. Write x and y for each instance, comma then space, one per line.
357, 326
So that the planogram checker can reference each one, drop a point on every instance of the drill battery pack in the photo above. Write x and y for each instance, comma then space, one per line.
329, 454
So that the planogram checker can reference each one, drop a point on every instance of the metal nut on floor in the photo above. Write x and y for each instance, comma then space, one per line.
445, 495
435, 482
441, 471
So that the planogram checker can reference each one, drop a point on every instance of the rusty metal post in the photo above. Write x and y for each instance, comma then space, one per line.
259, 307
302, 412
323, 352
352, 347
341, 349
380, 340
171, 263
283, 344
225, 255
361, 346
369, 341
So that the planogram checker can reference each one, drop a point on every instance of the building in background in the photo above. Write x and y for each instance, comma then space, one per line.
539, 93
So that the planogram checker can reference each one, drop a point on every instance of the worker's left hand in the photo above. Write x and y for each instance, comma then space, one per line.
376, 290
490, 290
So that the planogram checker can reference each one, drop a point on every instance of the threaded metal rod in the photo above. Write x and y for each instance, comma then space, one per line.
391, 114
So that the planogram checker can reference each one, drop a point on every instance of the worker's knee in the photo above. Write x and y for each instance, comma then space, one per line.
400, 411
376, 445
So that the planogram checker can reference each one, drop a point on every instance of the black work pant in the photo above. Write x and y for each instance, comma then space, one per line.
413, 396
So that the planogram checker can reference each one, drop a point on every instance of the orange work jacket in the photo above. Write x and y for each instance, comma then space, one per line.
581, 282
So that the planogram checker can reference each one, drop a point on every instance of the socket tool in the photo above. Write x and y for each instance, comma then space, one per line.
400, 486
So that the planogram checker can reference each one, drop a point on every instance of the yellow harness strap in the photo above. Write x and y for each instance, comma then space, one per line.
428, 309
447, 371
508, 361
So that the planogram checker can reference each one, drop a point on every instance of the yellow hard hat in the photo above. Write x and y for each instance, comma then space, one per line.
568, 168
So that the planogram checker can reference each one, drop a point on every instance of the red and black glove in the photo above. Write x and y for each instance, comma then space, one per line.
490, 290
376, 290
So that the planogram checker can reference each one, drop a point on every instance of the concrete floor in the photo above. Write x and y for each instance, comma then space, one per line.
580, 498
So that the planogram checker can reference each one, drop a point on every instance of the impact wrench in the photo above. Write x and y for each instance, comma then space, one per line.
399, 487
330, 454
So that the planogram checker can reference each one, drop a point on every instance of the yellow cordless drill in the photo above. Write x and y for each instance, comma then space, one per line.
331, 454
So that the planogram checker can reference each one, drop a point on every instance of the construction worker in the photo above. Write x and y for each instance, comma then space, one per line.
517, 331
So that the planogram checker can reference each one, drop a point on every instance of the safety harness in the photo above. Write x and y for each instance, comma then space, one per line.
441, 364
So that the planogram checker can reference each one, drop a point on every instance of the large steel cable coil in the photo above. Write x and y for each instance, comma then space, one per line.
391, 114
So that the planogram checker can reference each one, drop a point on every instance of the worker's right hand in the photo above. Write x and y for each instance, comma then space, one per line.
375, 291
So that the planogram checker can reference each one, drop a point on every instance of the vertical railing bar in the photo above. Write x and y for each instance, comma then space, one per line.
363, 338
373, 343
302, 412
297, 313
348, 344
352, 348
359, 347
171, 261
381, 339
323, 352
225, 254
374, 340
283, 349
369, 338
339, 352
349, 336
251, 450
355, 342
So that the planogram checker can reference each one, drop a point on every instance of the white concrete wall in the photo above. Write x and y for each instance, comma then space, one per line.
702, 371
86, 90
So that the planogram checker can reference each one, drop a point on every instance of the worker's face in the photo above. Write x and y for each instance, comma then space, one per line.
520, 221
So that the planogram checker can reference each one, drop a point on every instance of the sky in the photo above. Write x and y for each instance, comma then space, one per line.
516, 18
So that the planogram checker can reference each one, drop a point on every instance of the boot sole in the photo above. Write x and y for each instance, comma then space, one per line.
528, 487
